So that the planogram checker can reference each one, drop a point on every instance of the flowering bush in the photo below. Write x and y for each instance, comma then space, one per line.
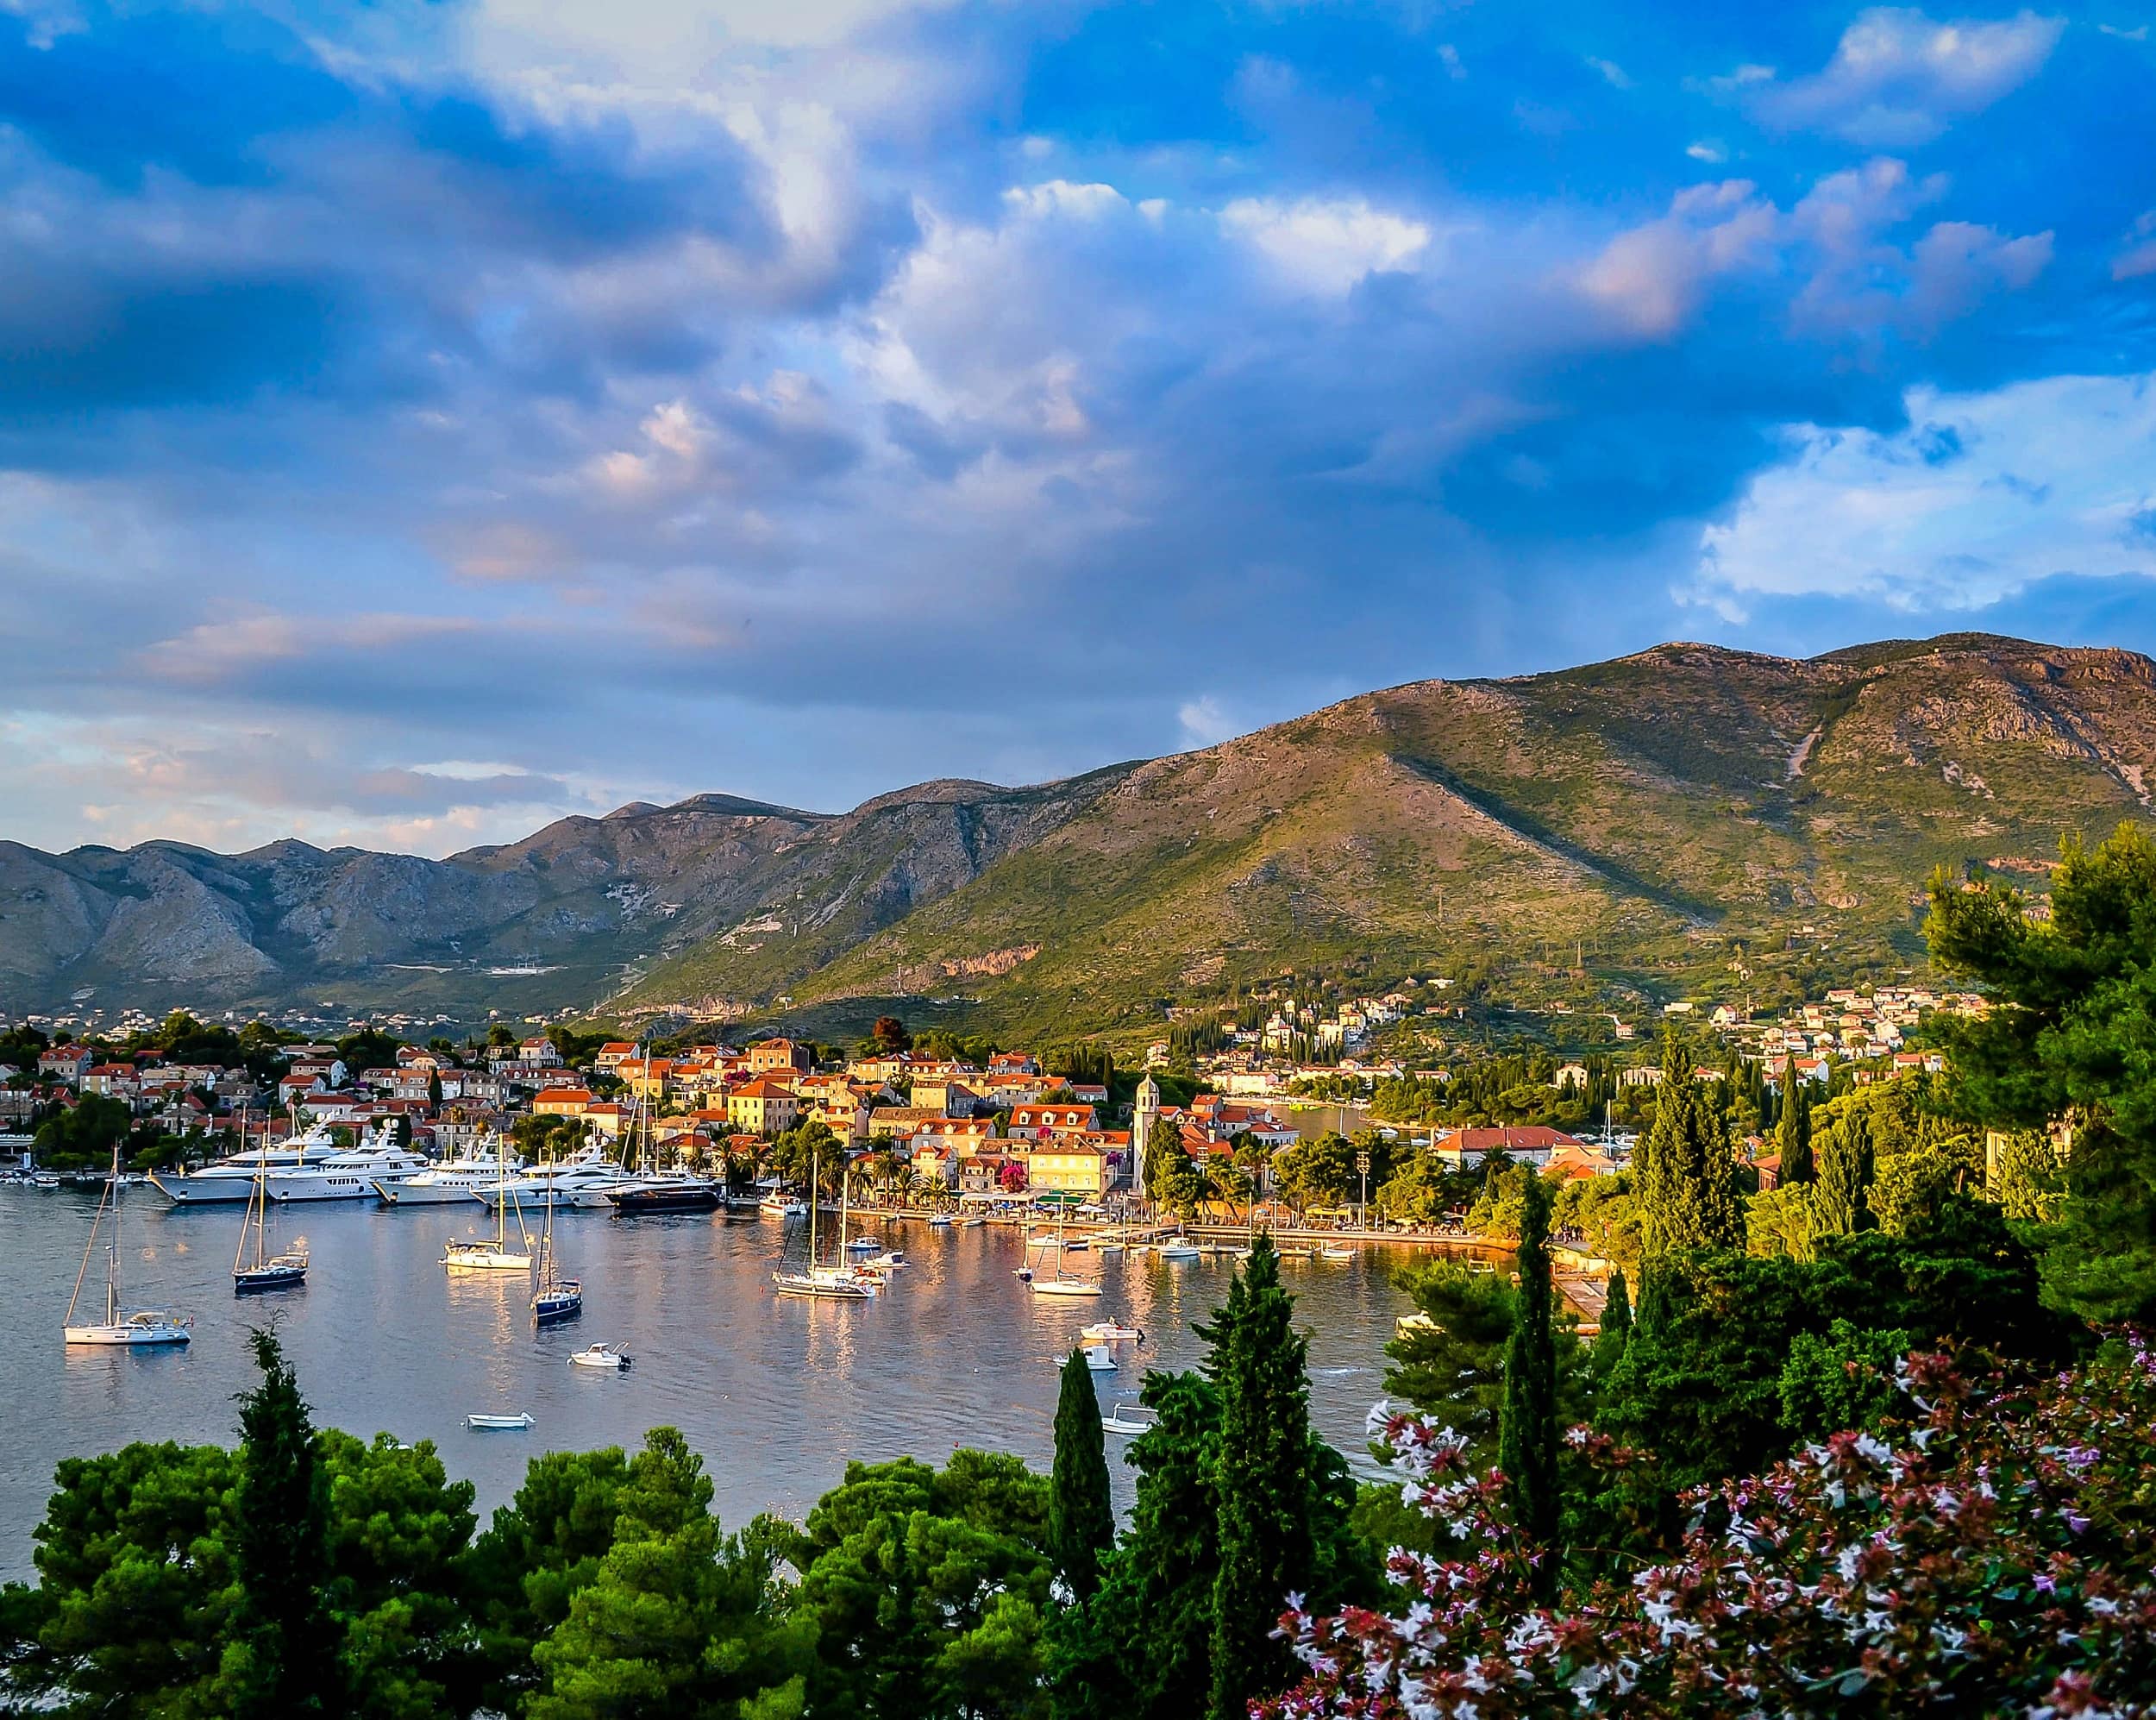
1994, 1554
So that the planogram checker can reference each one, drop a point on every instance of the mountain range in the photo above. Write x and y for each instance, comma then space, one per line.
1688, 821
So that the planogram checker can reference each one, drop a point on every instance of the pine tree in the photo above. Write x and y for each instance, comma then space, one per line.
1080, 1520
1845, 1173
281, 1553
1268, 1548
1527, 1442
1793, 1134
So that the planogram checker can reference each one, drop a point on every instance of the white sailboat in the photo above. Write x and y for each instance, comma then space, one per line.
1061, 1283
493, 1254
283, 1270
836, 1282
128, 1330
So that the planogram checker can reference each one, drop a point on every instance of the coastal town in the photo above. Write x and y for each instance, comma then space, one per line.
1004, 1128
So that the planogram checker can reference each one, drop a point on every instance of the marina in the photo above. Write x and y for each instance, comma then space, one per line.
778, 1392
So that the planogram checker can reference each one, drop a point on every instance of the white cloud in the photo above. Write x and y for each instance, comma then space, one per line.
1899, 78
1613, 74
1327, 246
2139, 257
1981, 495
1710, 150
1064, 197
1651, 277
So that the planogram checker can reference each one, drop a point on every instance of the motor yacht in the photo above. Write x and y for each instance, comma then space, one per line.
356, 1175
230, 1181
471, 1176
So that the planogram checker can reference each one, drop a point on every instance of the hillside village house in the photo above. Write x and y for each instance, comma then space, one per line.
763, 1107
561, 1101
1041, 1121
946, 1094
1071, 1166
1464, 1149
768, 1057
612, 1052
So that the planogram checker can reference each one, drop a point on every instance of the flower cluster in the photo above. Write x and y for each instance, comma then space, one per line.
1995, 1554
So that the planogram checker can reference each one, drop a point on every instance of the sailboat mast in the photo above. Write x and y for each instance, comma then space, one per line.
815, 1200
112, 1248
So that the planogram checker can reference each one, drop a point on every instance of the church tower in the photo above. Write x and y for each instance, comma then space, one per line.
1144, 1114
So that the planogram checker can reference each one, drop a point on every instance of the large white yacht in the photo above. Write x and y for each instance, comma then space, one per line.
475, 1175
232, 1180
584, 1172
355, 1175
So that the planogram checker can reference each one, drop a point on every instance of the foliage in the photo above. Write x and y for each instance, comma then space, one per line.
286, 1650
1784, 1220
81, 1136
1685, 1173
1843, 1378
1080, 1520
2067, 1040
675, 1621
1991, 1553
923, 1592
1527, 1441
1451, 1363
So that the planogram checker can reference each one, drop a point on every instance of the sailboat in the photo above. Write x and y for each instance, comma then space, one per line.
1061, 1285
838, 1282
557, 1298
493, 1254
286, 1271
141, 1328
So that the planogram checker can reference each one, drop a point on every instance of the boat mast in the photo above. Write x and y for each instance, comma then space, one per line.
815, 1200
112, 1248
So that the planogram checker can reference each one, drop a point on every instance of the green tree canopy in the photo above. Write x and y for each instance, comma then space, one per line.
2067, 1042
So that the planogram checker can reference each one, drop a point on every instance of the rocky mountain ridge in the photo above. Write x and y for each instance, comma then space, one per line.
1686, 818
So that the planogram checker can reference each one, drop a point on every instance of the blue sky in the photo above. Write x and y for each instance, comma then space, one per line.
419, 421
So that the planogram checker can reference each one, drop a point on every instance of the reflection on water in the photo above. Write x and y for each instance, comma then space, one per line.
777, 1394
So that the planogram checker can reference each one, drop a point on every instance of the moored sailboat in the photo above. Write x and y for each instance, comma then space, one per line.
493, 1254
141, 1328
285, 1271
556, 1298
837, 1282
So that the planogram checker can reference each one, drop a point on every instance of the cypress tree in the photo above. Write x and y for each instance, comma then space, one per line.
281, 1553
1845, 1172
1527, 1442
1268, 1549
1616, 1332
1687, 1188
1080, 1520
1793, 1134
1156, 1604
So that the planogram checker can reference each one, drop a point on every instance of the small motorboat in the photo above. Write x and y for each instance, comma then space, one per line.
1179, 1251
1110, 1245
889, 1261
778, 1205
1024, 1275
863, 1245
45, 1180
1129, 1418
600, 1356
1043, 1238
941, 1221
1336, 1253
1098, 1359
499, 1424
1112, 1332
973, 1223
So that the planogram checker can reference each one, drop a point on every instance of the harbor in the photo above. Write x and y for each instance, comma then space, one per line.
777, 1393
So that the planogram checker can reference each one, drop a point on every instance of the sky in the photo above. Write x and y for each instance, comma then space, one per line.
418, 422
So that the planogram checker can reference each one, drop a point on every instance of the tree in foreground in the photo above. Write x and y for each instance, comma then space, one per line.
285, 1642
1793, 1131
2065, 1041
1080, 1520
1527, 1441
1991, 1552
1268, 1551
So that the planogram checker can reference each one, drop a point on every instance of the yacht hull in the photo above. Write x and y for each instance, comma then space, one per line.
203, 1191
255, 1281
427, 1194
632, 1202
127, 1337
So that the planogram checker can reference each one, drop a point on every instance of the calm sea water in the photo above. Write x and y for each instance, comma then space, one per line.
776, 1394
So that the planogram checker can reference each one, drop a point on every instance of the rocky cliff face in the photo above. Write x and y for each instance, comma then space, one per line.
1685, 812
